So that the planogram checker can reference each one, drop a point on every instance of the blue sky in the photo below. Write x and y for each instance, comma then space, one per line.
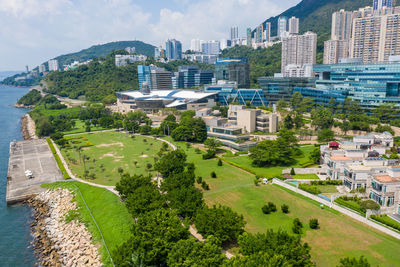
33, 31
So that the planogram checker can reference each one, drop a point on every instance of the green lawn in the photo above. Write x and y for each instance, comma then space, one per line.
57, 112
327, 188
80, 127
269, 172
339, 236
110, 151
109, 212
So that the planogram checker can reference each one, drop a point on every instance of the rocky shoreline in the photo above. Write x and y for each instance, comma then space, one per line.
59, 238
28, 127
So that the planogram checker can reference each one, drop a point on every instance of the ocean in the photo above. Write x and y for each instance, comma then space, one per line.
15, 237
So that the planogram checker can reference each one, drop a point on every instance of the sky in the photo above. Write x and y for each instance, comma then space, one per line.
34, 31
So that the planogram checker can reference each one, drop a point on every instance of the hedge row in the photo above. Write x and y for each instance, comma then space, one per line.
58, 160
349, 204
327, 182
387, 221
310, 189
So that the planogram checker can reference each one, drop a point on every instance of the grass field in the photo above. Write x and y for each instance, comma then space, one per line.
109, 212
269, 172
110, 151
339, 236
58, 160
80, 127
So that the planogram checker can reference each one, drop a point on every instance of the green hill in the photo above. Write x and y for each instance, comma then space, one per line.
316, 15
104, 49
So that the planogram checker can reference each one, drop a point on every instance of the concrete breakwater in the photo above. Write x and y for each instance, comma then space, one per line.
59, 239
28, 128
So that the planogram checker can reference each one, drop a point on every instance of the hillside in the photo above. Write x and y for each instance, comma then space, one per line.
100, 81
316, 15
105, 49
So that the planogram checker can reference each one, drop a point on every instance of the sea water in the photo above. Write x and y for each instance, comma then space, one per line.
15, 237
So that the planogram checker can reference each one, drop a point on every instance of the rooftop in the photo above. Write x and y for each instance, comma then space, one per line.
340, 158
387, 179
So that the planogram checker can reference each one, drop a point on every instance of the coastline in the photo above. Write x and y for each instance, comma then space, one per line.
28, 128
59, 238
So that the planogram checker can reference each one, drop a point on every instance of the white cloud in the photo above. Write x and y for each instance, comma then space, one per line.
33, 31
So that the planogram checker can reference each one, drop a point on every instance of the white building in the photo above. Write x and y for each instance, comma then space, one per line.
282, 27
123, 60
53, 65
206, 59
210, 47
293, 25
299, 50
131, 50
195, 45
42, 68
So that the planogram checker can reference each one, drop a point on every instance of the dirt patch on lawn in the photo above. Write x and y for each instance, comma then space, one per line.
112, 144
111, 155
144, 156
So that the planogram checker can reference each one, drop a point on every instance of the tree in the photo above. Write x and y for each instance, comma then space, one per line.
213, 174
277, 243
153, 235
212, 144
129, 184
292, 172
297, 226
314, 224
220, 162
170, 163
281, 105
285, 208
326, 135
345, 126
288, 122
221, 222
295, 100
315, 155
145, 129
190, 129
259, 259
144, 199
186, 201
169, 124
353, 262
190, 252
321, 118
298, 121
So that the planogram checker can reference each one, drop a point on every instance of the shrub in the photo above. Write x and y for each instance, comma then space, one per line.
369, 205
310, 189
209, 155
387, 221
314, 224
219, 162
199, 179
272, 206
327, 182
265, 209
285, 208
213, 174
197, 151
297, 226
292, 172
256, 181
205, 186
120, 170
351, 203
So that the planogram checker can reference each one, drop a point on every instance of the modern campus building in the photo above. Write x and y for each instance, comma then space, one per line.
298, 51
173, 49
206, 59
277, 88
371, 84
156, 78
191, 76
154, 100
234, 69
229, 93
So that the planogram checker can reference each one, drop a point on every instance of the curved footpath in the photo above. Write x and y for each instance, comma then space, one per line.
338, 208
192, 230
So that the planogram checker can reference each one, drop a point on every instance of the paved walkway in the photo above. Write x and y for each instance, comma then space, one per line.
339, 208
192, 230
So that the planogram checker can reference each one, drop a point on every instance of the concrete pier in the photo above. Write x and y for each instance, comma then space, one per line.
34, 156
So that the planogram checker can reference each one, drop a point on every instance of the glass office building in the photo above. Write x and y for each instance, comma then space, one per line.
371, 84
235, 69
228, 93
277, 88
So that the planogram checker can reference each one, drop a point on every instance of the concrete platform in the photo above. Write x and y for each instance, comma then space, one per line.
33, 155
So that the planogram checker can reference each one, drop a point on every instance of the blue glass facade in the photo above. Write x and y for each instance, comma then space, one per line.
371, 84
228, 94
144, 75
322, 96
234, 69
